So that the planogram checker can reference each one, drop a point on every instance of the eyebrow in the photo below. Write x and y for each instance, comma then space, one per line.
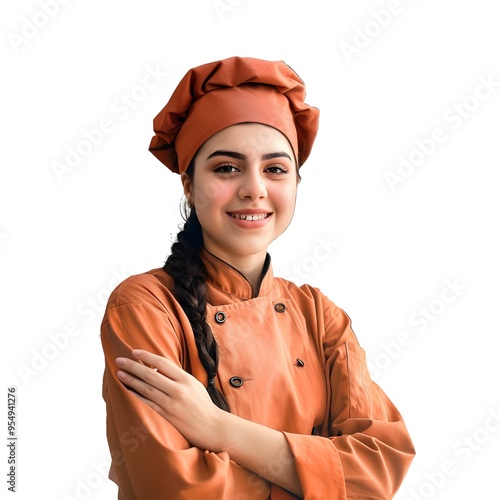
240, 156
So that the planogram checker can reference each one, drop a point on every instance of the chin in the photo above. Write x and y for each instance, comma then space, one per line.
248, 250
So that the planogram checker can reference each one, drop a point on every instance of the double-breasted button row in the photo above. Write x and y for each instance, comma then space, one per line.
238, 381
220, 316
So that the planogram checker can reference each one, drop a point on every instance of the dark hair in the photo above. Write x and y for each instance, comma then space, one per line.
186, 268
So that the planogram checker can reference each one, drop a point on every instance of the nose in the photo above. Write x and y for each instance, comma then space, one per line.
253, 186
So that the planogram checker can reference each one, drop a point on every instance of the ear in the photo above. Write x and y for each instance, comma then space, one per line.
187, 184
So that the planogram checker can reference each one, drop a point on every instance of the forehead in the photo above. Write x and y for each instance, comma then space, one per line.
247, 138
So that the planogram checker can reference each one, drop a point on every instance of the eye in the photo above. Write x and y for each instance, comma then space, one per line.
226, 168
277, 169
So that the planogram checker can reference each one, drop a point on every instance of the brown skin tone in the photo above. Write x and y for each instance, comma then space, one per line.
263, 179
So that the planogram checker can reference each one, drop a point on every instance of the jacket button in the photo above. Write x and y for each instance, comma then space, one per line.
279, 307
236, 381
220, 317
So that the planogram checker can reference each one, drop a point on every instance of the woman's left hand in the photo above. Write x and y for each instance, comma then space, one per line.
175, 394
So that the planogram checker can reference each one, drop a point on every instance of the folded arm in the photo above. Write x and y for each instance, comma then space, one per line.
184, 402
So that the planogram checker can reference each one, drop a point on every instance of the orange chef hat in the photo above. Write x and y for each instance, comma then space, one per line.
217, 95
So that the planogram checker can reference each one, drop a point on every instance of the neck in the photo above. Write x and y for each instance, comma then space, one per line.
251, 270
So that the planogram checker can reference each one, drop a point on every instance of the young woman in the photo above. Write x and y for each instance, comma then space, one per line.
222, 381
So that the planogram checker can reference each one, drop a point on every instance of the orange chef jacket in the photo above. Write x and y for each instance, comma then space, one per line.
288, 360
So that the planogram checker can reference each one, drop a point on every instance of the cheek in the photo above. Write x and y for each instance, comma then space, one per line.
285, 198
205, 196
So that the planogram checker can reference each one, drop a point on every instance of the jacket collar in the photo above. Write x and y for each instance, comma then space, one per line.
229, 280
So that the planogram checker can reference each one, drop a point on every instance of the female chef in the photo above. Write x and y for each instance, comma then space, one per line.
221, 380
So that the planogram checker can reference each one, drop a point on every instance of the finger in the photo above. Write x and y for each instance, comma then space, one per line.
164, 366
139, 396
144, 373
143, 388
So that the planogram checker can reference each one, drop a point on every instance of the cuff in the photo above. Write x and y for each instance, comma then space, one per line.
318, 466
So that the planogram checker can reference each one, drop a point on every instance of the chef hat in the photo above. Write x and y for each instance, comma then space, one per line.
217, 95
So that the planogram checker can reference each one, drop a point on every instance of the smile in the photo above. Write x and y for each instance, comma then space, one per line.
250, 217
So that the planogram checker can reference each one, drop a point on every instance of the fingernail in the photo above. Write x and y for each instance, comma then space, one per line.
136, 352
120, 361
121, 374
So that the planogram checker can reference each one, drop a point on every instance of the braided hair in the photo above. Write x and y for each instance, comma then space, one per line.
187, 270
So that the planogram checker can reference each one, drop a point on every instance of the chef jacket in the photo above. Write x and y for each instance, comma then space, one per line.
289, 360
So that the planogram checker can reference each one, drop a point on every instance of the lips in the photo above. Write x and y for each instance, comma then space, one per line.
250, 217
250, 214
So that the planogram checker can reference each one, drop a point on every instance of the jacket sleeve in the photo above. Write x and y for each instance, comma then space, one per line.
150, 458
364, 449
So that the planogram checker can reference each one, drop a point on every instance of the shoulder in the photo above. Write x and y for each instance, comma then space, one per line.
152, 287
142, 311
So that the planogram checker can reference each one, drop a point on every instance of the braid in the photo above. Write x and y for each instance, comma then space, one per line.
189, 274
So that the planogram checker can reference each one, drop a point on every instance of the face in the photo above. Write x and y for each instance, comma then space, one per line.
243, 188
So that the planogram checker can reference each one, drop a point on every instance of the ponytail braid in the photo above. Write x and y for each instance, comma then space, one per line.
189, 274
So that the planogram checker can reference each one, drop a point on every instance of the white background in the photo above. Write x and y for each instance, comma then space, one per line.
67, 239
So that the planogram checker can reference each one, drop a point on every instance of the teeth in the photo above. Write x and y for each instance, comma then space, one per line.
249, 217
